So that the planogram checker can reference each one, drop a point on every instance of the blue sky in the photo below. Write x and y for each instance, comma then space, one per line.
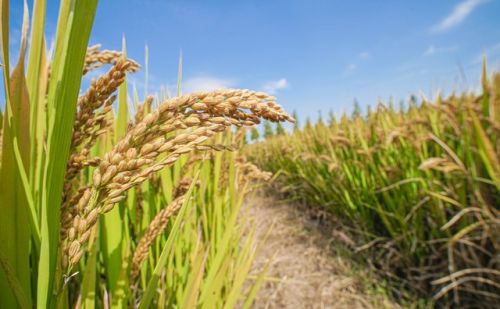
313, 55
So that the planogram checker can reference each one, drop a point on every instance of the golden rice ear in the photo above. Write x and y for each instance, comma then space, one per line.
91, 121
95, 59
440, 164
155, 228
118, 170
143, 109
250, 172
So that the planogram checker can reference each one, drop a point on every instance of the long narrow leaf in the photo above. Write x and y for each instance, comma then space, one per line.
76, 19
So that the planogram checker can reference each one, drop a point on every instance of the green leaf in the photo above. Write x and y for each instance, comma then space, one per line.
14, 284
36, 76
73, 31
112, 232
15, 194
192, 288
122, 117
250, 297
122, 288
88, 290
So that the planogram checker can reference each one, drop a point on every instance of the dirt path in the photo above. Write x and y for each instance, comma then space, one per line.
306, 270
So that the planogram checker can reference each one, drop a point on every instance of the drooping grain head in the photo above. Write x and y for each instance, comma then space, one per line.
158, 225
91, 121
96, 58
145, 149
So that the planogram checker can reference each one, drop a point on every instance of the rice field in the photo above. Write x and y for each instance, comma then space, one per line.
418, 185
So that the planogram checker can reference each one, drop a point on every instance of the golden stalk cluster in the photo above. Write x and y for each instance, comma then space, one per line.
155, 228
251, 171
91, 122
156, 140
96, 58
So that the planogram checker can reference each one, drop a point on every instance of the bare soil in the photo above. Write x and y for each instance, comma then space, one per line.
308, 266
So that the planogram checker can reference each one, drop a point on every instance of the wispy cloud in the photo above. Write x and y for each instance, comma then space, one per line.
364, 55
432, 50
459, 13
273, 86
206, 83
351, 67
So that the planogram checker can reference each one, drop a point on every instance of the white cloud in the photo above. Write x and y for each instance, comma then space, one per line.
205, 83
273, 86
351, 67
460, 12
432, 50
364, 55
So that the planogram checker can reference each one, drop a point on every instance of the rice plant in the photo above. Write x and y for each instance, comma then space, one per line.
103, 207
421, 184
